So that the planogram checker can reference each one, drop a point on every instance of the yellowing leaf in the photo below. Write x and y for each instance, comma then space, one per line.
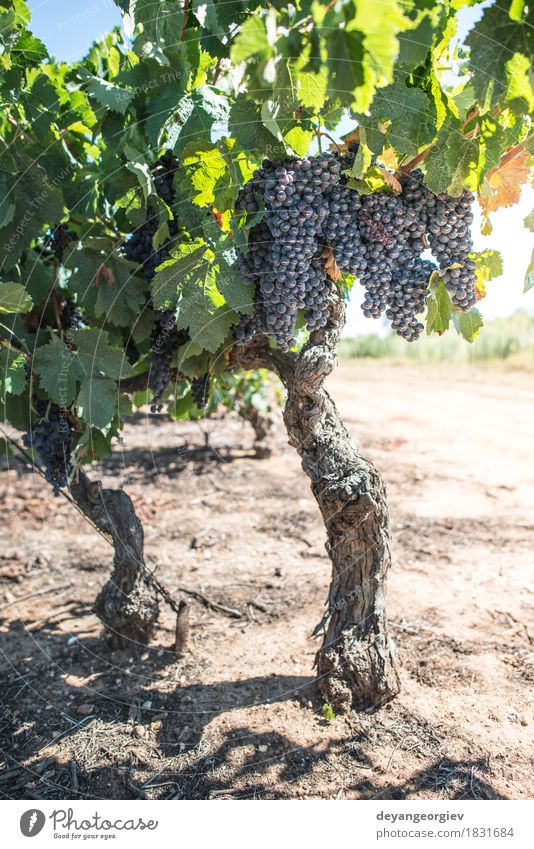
388, 158
503, 184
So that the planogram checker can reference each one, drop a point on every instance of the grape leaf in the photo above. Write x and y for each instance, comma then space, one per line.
95, 355
238, 295
120, 296
502, 186
12, 373
96, 401
406, 116
488, 265
185, 260
57, 370
493, 42
468, 324
208, 325
251, 41
439, 306
109, 95
14, 298
299, 140
312, 87
452, 162
206, 165
247, 127
345, 64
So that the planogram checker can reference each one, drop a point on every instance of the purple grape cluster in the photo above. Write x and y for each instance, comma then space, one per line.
200, 390
166, 339
50, 438
378, 238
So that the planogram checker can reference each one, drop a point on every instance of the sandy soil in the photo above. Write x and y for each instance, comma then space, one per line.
238, 718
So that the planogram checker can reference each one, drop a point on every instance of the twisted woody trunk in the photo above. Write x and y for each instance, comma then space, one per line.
127, 604
356, 663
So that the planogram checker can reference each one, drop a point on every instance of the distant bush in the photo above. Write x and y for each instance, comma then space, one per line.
510, 339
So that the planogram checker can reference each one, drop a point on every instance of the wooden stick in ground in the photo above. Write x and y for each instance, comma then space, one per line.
182, 629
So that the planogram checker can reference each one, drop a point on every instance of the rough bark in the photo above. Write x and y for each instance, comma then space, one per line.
356, 664
127, 604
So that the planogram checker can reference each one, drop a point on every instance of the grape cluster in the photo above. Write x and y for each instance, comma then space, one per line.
139, 247
50, 437
200, 389
58, 239
448, 222
166, 338
164, 170
285, 248
378, 238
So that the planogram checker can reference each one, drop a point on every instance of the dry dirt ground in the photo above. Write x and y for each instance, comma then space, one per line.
238, 717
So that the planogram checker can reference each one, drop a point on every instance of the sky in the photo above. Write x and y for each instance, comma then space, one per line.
68, 27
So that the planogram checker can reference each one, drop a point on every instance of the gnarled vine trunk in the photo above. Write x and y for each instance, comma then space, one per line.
127, 604
356, 664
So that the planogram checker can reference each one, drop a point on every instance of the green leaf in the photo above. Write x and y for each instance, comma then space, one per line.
529, 221
401, 117
252, 40
299, 140
186, 260
109, 95
237, 294
14, 298
13, 373
415, 43
312, 88
95, 355
493, 42
468, 324
97, 400
247, 127
57, 370
345, 64
119, 296
452, 162
207, 165
38, 203
439, 304
208, 325
488, 265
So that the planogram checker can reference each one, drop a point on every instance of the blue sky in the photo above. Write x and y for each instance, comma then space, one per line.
68, 28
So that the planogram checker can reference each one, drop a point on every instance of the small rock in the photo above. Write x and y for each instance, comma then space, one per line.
523, 721
85, 709
155, 726
159, 716
263, 749
147, 705
139, 731
72, 641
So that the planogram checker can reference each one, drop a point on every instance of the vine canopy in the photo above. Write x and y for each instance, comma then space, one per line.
223, 85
